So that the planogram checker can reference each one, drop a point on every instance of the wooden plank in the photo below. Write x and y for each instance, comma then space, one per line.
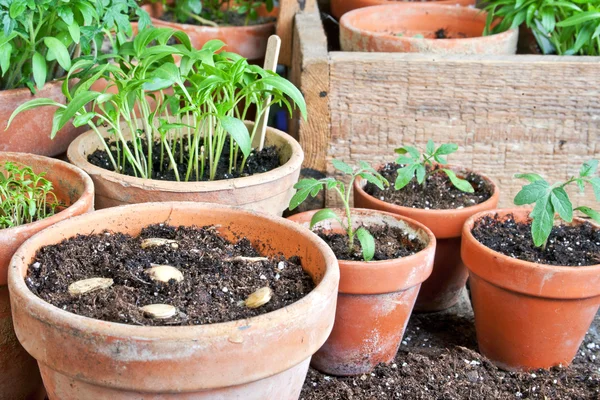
508, 114
285, 24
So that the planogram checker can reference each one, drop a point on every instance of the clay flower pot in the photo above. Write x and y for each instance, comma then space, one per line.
392, 28
375, 299
30, 131
340, 7
443, 288
264, 357
528, 315
19, 374
269, 192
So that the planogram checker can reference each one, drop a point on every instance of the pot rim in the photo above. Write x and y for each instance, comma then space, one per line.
25, 90
294, 163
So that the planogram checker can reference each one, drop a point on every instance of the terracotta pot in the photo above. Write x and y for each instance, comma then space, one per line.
341, 7
30, 131
269, 192
264, 357
443, 288
19, 375
377, 28
528, 315
375, 299
248, 41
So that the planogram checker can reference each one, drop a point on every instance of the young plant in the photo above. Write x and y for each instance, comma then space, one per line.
40, 38
312, 187
25, 197
215, 12
420, 166
551, 200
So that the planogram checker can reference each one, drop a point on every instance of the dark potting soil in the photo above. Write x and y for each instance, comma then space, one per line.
216, 281
573, 246
438, 192
231, 18
258, 162
390, 242
438, 360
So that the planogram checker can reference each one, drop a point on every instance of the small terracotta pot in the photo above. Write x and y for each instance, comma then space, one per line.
341, 7
268, 192
376, 28
30, 131
375, 299
248, 41
528, 315
443, 288
264, 357
19, 374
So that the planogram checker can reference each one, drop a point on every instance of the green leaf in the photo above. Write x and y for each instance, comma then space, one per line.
323, 215
579, 19
596, 186
588, 168
430, 147
420, 173
83, 119
414, 153
288, 89
59, 52
375, 180
595, 215
38, 63
460, 184
543, 220
367, 243
405, 175
79, 101
446, 148
530, 177
238, 132
75, 32
561, 203
31, 104
5, 53
532, 192
342, 166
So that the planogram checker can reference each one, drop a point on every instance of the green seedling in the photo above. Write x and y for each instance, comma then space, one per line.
215, 12
551, 200
312, 187
419, 165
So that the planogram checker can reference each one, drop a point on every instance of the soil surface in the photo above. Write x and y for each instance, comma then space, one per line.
438, 193
571, 246
258, 162
438, 359
390, 242
215, 283
231, 18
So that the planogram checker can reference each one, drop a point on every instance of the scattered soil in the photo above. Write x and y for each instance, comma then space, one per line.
441, 34
438, 193
390, 242
262, 161
572, 246
231, 18
438, 360
214, 285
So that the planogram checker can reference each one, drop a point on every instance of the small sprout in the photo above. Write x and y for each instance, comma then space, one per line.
89, 285
416, 165
164, 273
259, 297
159, 311
157, 242
550, 200
312, 187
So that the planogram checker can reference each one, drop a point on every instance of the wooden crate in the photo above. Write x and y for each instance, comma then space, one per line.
508, 114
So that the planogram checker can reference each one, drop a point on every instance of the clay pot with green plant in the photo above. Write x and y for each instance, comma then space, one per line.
193, 145
380, 275
341, 7
177, 347
436, 195
37, 47
35, 192
535, 274
422, 28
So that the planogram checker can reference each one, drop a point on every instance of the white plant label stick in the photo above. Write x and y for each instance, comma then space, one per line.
271, 57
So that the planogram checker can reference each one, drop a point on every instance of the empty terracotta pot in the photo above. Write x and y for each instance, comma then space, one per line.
375, 299
30, 131
19, 374
340, 7
264, 357
269, 192
443, 288
528, 315
422, 28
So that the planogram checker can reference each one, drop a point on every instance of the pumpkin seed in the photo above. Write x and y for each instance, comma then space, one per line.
89, 285
259, 298
159, 311
156, 242
164, 273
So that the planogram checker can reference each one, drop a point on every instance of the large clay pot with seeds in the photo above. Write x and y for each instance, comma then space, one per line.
266, 192
340, 7
19, 374
263, 358
375, 298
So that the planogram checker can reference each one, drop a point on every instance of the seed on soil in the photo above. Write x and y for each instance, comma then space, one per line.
157, 242
164, 273
259, 298
248, 259
89, 285
159, 311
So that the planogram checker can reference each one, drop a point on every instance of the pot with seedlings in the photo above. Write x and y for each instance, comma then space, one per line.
191, 300
442, 198
38, 45
194, 144
535, 274
383, 260
35, 192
